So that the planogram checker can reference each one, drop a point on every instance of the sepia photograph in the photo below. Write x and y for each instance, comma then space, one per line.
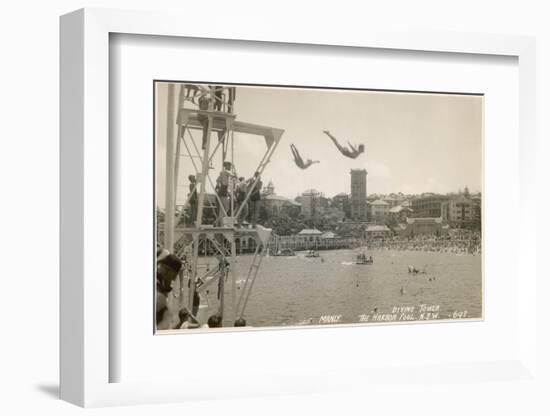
292, 207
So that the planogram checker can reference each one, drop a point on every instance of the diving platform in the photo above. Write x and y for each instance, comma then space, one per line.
221, 121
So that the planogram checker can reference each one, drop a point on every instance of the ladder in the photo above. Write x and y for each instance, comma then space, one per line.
259, 255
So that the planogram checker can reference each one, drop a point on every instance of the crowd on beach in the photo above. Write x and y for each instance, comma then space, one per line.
457, 242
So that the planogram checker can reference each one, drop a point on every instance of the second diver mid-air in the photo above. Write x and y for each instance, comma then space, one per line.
298, 159
351, 152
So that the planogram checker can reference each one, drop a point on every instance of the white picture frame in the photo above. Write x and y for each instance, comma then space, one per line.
85, 264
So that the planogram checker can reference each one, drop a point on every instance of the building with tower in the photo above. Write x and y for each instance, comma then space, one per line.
341, 202
311, 203
358, 199
277, 204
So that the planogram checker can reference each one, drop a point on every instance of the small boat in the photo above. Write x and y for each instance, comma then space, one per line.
312, 253
286, 252
363, 259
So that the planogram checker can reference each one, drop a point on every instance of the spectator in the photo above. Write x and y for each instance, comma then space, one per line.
225, 186
255, 197
168, 268
240, 196
215, 321
205, 103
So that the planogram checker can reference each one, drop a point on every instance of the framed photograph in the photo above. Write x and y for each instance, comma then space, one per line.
281, 232
271, 214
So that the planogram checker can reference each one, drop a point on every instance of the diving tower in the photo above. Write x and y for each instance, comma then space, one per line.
204, 127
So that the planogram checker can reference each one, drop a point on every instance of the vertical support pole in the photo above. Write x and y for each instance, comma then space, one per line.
177, 153
229, 137
222, 293
233, 278
169, 199
200, 205
204, 172
194, 269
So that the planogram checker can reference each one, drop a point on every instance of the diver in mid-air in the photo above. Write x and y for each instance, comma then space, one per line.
298, 159
352, 152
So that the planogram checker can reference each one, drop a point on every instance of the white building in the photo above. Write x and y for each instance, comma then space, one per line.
309, 235
379, 209
461, 210
400, 212
377, 231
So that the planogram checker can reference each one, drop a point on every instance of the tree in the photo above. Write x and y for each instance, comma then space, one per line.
263, 214
391, 222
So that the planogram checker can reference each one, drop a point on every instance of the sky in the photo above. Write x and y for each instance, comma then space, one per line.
414, 142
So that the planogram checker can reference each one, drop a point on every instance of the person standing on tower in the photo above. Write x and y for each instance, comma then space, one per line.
240, 196
225, 187
255, 197
205, 101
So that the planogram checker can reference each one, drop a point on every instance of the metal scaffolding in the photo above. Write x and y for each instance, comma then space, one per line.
198, 242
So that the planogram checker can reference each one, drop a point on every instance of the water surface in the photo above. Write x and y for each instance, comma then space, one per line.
300, 290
